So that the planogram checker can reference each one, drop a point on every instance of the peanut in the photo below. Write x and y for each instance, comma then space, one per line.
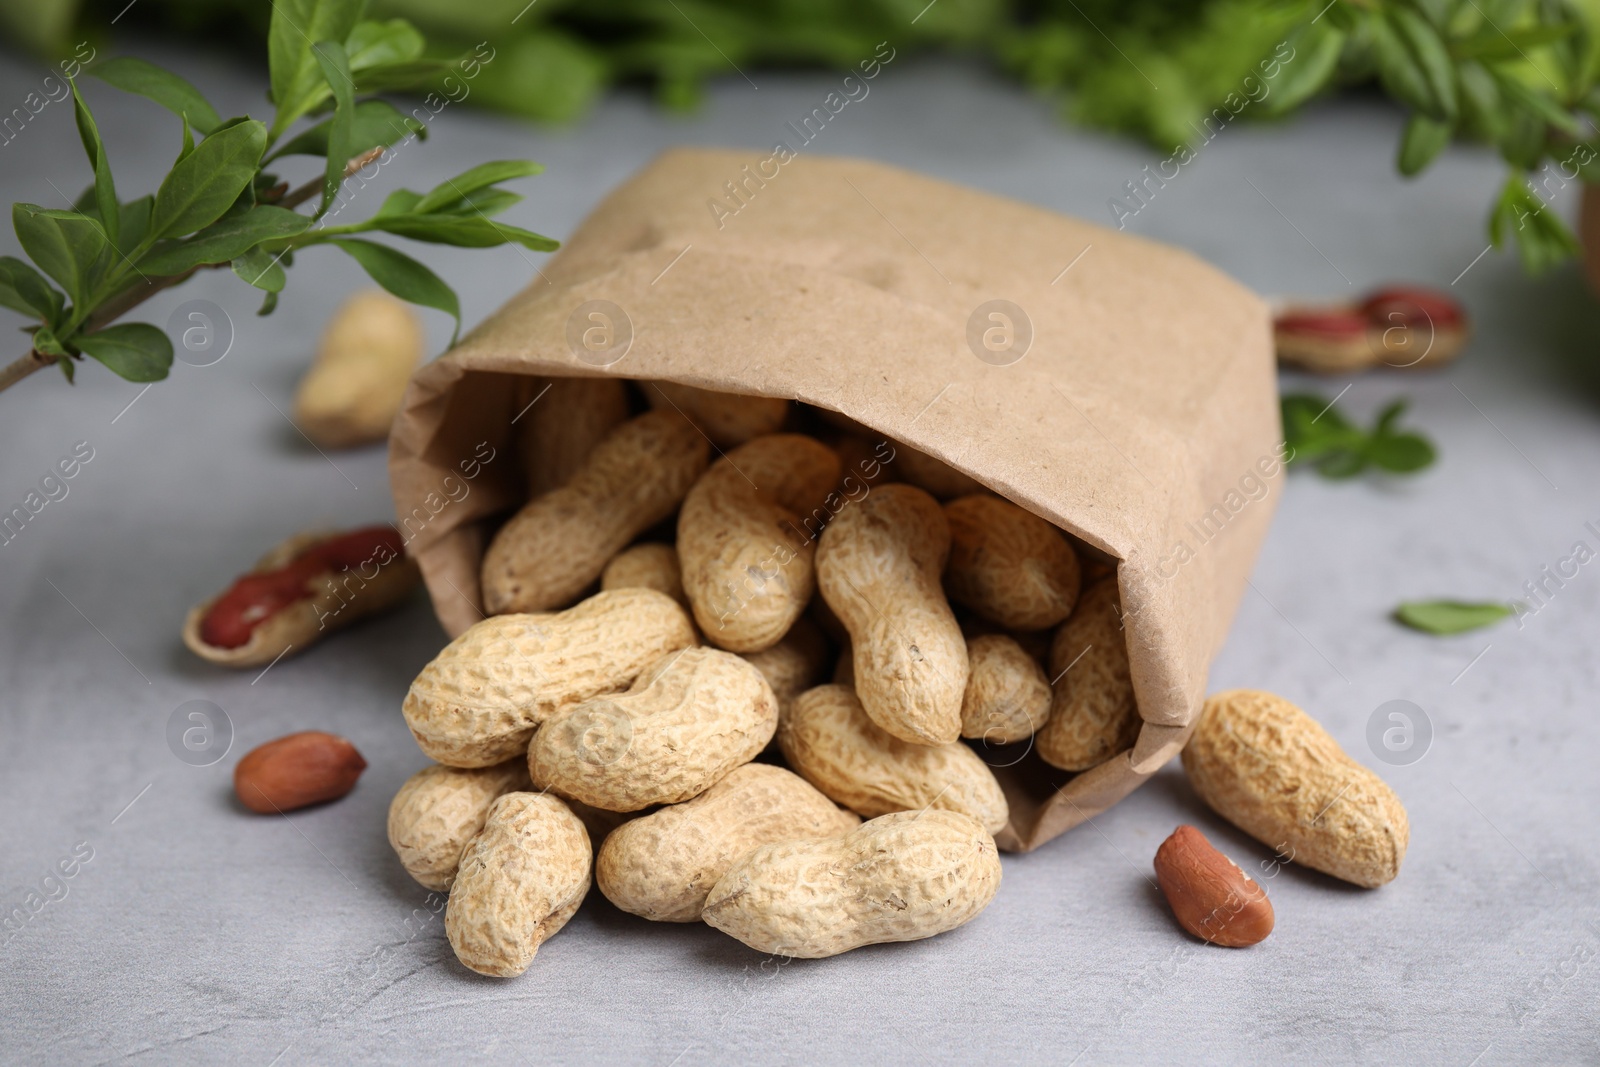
1268, 768
1007, 697
478, 702
726, 418
687, 721
440, 809
354, 387
1210, 895
829, 740
559, 422
794, 664
296, 771
747, 563
302, 590
1093, 715
552, 549
648, 565
662, 866
521, 878
901, 877
1008, 564
932, 475
878, 568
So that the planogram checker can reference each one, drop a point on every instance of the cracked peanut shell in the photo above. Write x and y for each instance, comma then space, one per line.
900, 877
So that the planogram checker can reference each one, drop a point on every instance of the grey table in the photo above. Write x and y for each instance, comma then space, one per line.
199, 933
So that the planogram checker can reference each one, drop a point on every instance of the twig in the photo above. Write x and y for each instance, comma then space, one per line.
132, 297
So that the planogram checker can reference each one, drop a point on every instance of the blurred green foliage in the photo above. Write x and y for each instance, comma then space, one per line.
1519, 74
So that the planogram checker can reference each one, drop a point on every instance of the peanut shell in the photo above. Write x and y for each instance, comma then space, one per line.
439, 809
1008, 564
1093, 715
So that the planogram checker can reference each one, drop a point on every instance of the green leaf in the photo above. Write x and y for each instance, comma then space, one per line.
1317, 48
464, 231
374, 123
1320, 436
64, 244
1445, 617
136, 351
1536, 101
134, 222
399, 75
383, 44
226, 239
24, 289
1402, 453
46, 343
484, 174
1543, 240
1424, 138
206, 182
1400, 69
105, 190
1432, 59
404, 277
269, 305
164, 87
260, 269
341, 132
298, 84
399, 202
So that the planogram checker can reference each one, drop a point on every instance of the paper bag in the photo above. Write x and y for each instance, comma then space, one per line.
1123, 390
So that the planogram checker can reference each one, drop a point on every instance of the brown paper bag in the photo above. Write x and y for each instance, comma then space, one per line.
1121, 389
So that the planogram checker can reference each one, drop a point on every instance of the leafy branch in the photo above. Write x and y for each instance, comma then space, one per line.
220, 207
1319, 435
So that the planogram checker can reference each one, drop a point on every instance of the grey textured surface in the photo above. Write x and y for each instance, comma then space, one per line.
200, 933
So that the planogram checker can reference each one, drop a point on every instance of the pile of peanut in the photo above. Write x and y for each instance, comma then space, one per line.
662, 611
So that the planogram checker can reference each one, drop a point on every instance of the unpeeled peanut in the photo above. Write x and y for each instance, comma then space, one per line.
662, 866
478, 702
794, 664
1268, 768
366, 356
552, 549
829, 740
747, 563
648, 565
687, 721
1210, 895
932, 475
1008, 564
559, 421
1093, 715
439, 809
878, 568
901, 877
521, 878
726, 418
1007, 697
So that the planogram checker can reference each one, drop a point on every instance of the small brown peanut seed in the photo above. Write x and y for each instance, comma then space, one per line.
440, 809
1008, 564
661, 866
829, 740
878, 568
478, 702
901, 877
552, 549
1268, 768
521, 878
687, 721
1093, 715
1007, 697
1210, 895
297, 771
